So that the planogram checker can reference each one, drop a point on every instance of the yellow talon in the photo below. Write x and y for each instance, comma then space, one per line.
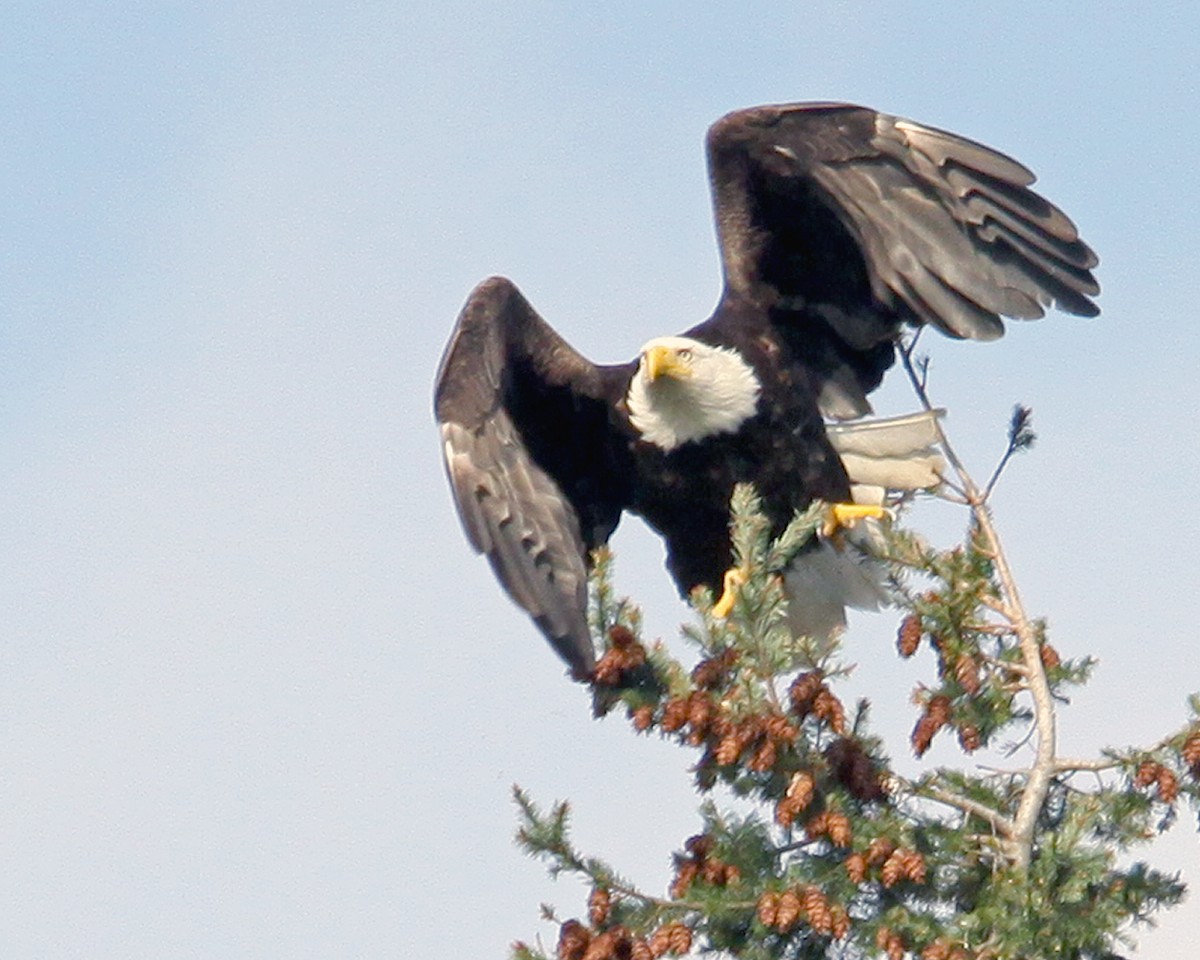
842, 516
734, 578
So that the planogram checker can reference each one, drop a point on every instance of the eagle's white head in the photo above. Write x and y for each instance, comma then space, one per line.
686, 390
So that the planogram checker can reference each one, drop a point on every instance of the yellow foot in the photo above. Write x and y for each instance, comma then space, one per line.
734, 578
842, 516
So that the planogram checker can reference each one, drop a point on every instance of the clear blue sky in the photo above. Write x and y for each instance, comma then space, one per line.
256, 696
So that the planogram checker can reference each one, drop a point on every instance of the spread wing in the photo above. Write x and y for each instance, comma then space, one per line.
865, 222
525, 432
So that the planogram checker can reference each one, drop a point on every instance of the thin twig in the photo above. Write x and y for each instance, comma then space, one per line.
1037, 786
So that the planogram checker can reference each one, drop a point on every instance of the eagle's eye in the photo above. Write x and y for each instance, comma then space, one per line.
684, 353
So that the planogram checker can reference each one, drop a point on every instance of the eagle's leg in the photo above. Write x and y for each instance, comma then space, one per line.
843, 516
734, 578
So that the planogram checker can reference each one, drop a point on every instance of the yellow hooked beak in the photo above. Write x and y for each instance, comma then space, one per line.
666, 362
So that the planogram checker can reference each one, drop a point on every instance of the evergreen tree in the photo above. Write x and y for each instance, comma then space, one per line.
812, 845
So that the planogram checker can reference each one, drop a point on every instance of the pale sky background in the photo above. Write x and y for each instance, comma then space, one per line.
257, 698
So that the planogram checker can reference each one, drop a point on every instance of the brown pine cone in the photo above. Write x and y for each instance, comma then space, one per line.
816, 909
829, 708
778, 727
966, 672
1190, 752
680, 937
878, 850
801, 788
837, 827
841, 922
599, 906
856, 867
573, 940
969, 738
1147, 773
602, 947
893, 870
1168, 785
682, 883
699, 712
675, 714
764, 757
909, 636
786, 811
804, 690
767, 908
938, 950
1050, 657
914, 866
788, 911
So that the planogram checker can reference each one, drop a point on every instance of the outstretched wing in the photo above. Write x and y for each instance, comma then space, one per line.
865, 222
525, 434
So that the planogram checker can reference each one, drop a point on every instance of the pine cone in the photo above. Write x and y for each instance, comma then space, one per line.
801, 788
1190, 752
841, 922
1147, 773
816, 909
779, 728
894, 869
1050, 657
675, 714
909, 636
767, 909
854, 769
786, 811
837, 827
966, 672
788, 911
939, 709
642, 718
573, 940
599, 906
1168, 785
700, 713
895, 947
764, 757
609, 668
660, 942
856, 867
914, 866
969, 738
682, 883
923, 733
878, 850
729, 749
711, 673
680, 938
602, 947
817, 826
938, 950
640, 950
829, 708
621, 638
804, 690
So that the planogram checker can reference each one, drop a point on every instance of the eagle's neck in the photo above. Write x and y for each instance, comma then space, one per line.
718, 397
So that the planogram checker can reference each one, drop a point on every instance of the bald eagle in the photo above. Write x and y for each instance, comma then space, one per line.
838, 228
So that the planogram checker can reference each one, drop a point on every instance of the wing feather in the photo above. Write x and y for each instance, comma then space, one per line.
508, 389
868, 222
